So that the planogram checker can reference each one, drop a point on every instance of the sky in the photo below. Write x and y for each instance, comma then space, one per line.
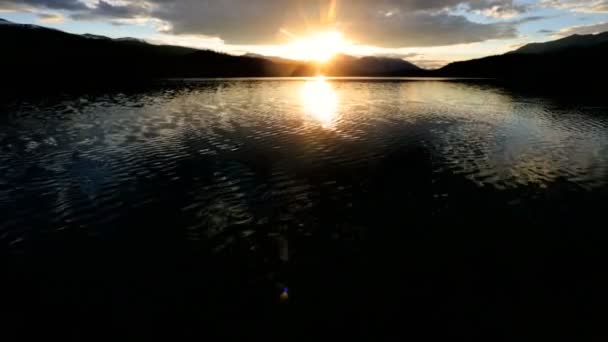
430, 33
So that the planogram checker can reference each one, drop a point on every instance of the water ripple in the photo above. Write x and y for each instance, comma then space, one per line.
224, 157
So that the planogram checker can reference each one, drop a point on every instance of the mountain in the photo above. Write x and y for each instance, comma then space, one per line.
576, 57
35, 52
574, 41
274, 59
39, 53
345, 65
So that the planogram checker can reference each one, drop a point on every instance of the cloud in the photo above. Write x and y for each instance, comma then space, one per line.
581, 6
109, 10
402, 55
597, 7
50, 18
83, 9
586, 29
389, 23
423, 29
68, 5
498, 9
386, 23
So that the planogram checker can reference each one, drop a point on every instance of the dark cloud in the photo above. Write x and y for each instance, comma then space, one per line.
387, 23
104, 9
247, 22
424, 29
79, 10
436, 5
68, 5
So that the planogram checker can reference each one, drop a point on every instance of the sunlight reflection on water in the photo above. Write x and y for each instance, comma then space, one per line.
320, 101
220, 199
229, 150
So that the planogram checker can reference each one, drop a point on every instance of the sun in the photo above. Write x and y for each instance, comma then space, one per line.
319, 47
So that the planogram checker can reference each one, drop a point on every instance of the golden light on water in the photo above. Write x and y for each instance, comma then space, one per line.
320, 101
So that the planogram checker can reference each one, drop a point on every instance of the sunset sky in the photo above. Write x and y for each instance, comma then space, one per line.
429, 33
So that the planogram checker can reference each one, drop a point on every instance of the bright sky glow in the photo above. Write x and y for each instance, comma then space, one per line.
320, 47
429, 34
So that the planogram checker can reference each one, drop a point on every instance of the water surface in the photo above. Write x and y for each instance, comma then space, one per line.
211, 199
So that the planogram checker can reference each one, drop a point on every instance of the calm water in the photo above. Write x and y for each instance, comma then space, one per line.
277, 207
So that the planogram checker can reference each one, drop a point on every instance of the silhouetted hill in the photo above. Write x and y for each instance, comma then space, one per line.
31, 51
274, 59
205, 63
574, 41
574, 57
38, 53
35, 52
344, 65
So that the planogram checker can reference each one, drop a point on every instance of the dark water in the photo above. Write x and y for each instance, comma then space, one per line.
289, 208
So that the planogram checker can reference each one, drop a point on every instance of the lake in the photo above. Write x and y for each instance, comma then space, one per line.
284, 207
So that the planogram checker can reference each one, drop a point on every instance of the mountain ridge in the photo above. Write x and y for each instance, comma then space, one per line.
572, 41
72, 55
575, 58
48, 53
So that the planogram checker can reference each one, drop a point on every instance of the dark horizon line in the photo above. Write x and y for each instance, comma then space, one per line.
62, 56
271, 57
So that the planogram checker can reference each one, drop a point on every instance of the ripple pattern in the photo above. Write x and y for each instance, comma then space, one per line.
222, 160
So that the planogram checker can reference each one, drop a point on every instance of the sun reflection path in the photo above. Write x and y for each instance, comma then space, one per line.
320, 101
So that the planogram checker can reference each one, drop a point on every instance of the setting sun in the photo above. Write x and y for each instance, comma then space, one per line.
320, 47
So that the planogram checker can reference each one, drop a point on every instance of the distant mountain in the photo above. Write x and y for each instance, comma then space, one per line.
574, 41
574, 57
271, 58
32, 52
35, 52
344, 65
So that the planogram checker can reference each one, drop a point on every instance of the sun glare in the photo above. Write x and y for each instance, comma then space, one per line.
320, 101
320, 47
